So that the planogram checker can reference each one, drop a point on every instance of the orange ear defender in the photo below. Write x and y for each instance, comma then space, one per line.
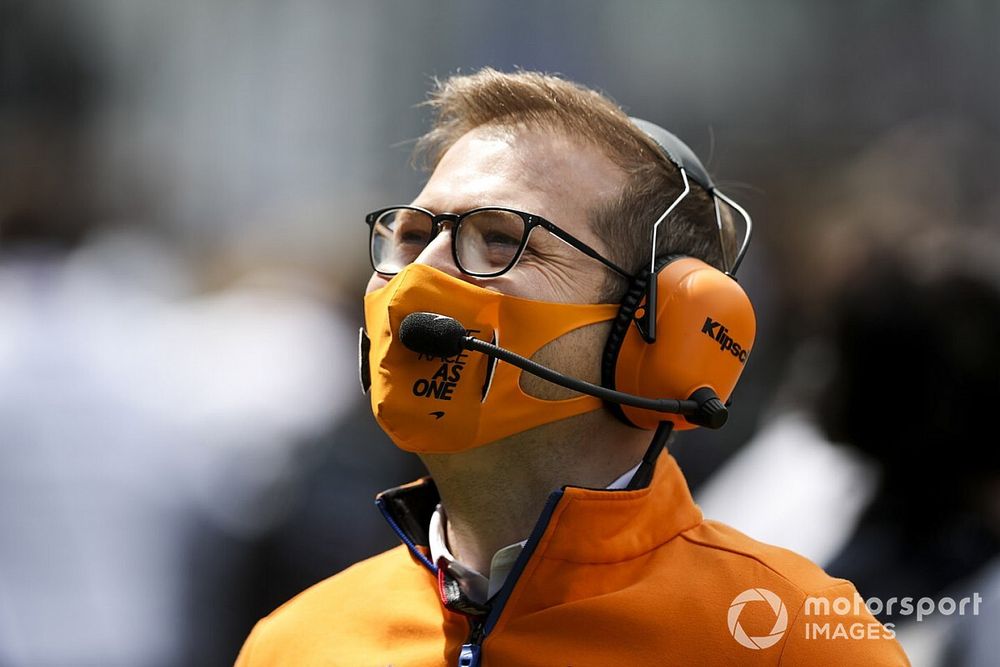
706, 330
684, 328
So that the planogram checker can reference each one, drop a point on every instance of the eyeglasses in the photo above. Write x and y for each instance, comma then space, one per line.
485, 242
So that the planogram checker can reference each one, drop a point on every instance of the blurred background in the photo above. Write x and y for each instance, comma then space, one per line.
183, 441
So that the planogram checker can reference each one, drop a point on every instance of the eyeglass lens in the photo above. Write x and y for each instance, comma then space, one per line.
486, 243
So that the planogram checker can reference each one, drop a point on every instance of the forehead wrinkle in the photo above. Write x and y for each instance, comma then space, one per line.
511, 184
573, 171
557, 160
536, 170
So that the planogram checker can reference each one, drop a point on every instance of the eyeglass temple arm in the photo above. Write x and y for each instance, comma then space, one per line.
608, 263
574, 242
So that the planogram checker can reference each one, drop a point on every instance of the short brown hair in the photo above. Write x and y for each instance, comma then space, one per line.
488, 97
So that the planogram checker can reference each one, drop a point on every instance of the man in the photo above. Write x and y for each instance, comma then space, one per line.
542, 535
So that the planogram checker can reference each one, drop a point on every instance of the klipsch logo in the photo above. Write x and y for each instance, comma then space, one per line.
718, 332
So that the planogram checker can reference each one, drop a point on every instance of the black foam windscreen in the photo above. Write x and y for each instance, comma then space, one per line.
432, 334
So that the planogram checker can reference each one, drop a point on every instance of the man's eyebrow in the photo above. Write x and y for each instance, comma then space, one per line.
467, 205
468, 201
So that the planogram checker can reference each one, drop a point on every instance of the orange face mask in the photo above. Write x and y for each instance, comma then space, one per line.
441, 405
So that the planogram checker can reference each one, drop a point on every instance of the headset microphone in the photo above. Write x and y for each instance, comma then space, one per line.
432, 334
442, 336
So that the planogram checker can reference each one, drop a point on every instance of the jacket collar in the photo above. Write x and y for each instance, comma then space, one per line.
585, 526
408, 510
600, 526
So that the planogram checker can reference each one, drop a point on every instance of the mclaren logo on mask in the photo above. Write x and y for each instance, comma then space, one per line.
718, 332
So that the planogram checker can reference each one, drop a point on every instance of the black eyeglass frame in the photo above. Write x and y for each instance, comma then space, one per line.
530, 222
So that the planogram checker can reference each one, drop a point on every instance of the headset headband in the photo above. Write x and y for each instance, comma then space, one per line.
691, 167
677, 152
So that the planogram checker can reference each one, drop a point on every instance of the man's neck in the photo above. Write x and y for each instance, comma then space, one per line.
494, 494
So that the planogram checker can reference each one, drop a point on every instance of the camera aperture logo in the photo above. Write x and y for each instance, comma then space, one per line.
780, 618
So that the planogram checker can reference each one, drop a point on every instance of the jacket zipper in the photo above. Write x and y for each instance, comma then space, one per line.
473, 646
471, 652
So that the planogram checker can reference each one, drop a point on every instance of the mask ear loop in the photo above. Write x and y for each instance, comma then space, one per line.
648, 328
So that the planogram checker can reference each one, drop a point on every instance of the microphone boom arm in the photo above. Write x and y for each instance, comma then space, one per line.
674, 406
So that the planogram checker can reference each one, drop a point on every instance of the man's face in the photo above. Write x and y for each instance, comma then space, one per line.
536, 171
547, 174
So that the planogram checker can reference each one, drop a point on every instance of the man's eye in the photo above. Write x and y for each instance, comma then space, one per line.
500, 239
412, 231
413, 236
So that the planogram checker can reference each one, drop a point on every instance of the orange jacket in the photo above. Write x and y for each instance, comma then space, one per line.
607, 578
